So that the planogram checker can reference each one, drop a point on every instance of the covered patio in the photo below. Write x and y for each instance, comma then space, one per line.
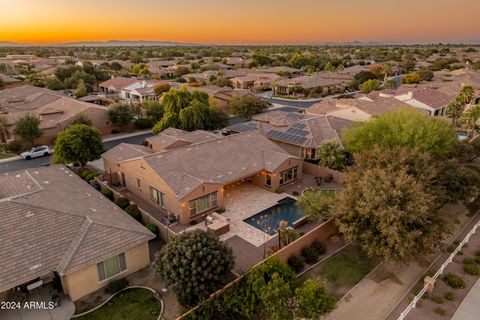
35, 306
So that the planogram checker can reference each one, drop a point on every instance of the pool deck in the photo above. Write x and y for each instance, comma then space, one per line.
241, 202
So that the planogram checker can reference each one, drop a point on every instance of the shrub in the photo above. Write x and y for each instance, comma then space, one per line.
91, 175
477, 259
15, 146
468, 261
314, 299
85, 173
115, 131
107, 193
471, 269
143, 123
454, 281
438, 299
122, 202
319, 247
134, 212
279, 190
296, 263
450, 295
440, 311
310, 255
193, 222
295, 193
116, 286
221, 210
328, 178
477, 253
153, 228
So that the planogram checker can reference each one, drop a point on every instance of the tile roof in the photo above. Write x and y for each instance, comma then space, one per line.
118, 83
219, 161
54, 221
170, 136
126, 151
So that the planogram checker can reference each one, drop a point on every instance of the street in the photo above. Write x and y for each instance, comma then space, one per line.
42, 161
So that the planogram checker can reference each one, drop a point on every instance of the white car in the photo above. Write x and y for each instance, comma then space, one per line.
36, 152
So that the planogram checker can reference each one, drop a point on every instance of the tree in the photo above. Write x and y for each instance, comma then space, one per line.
411, 78
272, 284
314, 300
408, 65
425, 74
363, 76
28, 128
195, 264
459, 182
405, 127
370, 85
153, 110
455, 110
390, 206
331, 155
79, 143
316, 205
386, 70
121, 115
470, 118
81, 89
161, 88
81, 119
248, 106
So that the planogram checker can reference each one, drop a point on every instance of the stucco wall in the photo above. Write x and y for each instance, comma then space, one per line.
317, 171
82, 282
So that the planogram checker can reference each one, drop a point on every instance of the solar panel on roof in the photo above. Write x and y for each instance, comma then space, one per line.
245, 127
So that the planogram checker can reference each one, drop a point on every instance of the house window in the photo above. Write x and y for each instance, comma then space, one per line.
203, 204
139, 184
127, 95
268, 179
309, 153
157, 196
288, 175
111, 267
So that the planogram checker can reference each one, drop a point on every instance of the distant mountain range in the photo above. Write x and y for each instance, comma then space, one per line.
138, 43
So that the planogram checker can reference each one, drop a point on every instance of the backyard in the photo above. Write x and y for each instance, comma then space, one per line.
343, 270
132, 304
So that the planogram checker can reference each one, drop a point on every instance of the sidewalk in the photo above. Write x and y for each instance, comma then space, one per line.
470, 308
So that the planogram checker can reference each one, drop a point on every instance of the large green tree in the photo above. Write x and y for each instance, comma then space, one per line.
80, 143
405, 127
314, 300
153, 110
390, 204
28, 128
470, 118
330, 155
370, 85
194, 264
248, 106
121, 115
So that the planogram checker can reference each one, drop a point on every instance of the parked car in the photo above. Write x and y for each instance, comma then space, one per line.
36, 152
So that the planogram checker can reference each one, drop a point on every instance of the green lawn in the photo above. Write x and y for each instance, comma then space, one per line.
347, 267
6, 155
132, 304
324, 193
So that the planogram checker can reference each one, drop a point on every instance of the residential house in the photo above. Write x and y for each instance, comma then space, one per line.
55, 111
58, 229
256, 81
310, 85
298, 134
115, 85
140, 91
188, 181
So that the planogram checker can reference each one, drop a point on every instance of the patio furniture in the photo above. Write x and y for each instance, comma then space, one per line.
34, 285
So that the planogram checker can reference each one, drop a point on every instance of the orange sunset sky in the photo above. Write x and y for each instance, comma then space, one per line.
239, 22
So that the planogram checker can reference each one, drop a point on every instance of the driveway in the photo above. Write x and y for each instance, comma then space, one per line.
64, 312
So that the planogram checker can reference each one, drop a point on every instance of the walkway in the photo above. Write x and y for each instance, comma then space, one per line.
470, 307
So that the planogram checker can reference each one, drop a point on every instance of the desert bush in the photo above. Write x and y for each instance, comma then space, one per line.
134, 212
454, 281
107, 193
296, 263
122, 202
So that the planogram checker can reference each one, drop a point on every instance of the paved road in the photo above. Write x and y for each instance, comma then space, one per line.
38, 162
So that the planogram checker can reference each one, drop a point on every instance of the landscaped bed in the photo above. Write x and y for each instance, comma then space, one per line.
131, 304
323, 193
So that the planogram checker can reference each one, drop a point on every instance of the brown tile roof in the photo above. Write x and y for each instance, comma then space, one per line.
54, 221
171, 135
126, 151
219, 161
118, 83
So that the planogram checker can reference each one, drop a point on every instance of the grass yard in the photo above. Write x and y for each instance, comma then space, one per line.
348, 267
6, 155
323, 193
132, 304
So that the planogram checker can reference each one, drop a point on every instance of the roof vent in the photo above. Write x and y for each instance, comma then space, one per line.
35, 266
29, 214
46, 182
17, 176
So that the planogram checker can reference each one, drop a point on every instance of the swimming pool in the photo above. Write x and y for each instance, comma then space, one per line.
269, 219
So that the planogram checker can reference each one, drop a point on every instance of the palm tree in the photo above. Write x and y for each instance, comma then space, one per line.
469, 119
467, 94
386, 70
455, 110
331, 156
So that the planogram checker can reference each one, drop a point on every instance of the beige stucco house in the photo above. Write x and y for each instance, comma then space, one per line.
55, 111
185, 174
58, 229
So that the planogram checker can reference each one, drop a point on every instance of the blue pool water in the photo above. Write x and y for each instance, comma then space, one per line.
269, 219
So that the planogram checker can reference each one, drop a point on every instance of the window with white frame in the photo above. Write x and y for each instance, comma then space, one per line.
288, 175
203, 204
111, 266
